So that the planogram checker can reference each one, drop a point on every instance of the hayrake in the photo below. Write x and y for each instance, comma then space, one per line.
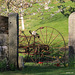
45, 44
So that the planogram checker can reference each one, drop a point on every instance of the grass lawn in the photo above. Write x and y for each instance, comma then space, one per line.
40, 19
33, 22
41, 70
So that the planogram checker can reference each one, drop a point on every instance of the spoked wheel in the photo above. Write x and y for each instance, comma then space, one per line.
51, 45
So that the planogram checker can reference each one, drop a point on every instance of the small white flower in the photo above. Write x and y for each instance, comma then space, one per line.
34, 33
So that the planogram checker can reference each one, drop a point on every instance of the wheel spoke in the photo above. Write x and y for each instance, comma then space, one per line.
46, 34
51, 36
56, 43
25, 36
53, 39
40, 40
42, 35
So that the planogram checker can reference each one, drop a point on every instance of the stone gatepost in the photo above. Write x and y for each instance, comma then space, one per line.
13, 38
71, 39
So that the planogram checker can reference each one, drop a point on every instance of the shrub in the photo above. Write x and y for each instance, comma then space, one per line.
66, 10
12, 67
3, 65
73, 0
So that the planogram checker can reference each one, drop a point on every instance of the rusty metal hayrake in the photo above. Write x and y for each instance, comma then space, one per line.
43, 44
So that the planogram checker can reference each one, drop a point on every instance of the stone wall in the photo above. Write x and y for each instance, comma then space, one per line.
3, 37
9, 30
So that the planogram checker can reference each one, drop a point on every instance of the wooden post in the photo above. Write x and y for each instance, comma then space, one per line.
71, 39
13, 38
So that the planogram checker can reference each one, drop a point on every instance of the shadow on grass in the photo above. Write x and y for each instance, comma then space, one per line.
39, 70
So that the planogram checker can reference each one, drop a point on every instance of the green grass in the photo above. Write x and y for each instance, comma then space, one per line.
41, 70
58, 21
32, 22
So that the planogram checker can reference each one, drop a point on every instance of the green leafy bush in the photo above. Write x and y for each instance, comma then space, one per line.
12, 67
73, 0
3, 65
66, 10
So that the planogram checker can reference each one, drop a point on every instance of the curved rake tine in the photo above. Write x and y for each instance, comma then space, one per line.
24, 35
50, 36
29, 40
22, 40
47, 51
53, 39
32, 59
26, 38
24, 43
47, 56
